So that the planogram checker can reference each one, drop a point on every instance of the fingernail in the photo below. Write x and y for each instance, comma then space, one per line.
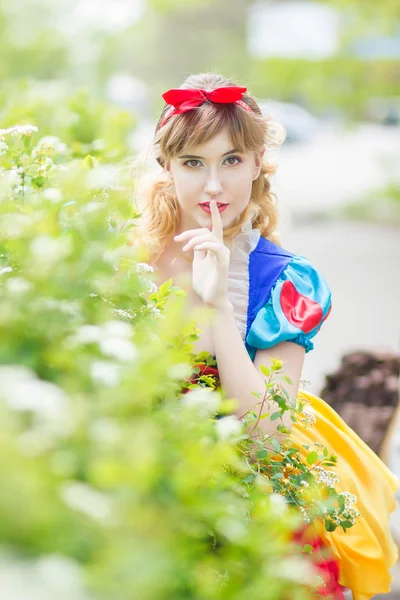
184, 248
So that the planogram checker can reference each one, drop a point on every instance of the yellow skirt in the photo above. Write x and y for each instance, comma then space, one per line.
366, 551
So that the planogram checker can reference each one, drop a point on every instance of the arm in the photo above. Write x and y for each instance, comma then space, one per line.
239, 376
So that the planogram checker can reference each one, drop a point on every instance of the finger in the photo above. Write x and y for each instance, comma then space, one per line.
207, 237
214, 247
187, 235
217, 227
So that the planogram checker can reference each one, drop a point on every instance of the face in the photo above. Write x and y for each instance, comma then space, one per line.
213, 170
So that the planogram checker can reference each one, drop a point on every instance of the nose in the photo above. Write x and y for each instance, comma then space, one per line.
213, 185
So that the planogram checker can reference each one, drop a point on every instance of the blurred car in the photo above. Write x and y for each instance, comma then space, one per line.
384, 109
300, 125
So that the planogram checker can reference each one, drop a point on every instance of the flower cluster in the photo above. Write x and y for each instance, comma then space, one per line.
300, 474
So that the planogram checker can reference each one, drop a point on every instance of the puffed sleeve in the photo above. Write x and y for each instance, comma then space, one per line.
299, 303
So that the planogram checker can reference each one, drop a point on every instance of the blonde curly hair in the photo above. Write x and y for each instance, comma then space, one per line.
248, 131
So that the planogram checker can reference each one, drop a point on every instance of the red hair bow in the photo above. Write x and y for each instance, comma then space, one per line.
182, 100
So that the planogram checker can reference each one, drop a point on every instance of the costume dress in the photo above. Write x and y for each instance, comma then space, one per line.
278, 296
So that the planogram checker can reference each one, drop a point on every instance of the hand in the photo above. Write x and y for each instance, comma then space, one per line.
211, 260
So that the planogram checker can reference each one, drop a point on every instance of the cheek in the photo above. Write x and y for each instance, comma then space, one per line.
185, 185
240, 184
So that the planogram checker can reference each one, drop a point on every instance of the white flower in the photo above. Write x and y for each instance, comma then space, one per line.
325, 476
278, 504
86, 334
53, 195
295, 569
51, 143
143, 268
106, 373
48, 250
229, 428
87, 500
4, 270
119, 348
112, 339
156, 312
23, 391
151, 287
18, 285
204, 400
19, 130
118, 329
35, 395
232, 529
46, 578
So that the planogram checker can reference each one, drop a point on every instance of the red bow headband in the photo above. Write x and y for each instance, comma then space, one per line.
182, 100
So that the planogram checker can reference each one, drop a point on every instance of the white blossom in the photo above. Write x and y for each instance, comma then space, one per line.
143, 268
19, 130
35, 395
119, 348
46, 578
5, 270
326, 476
48, 251
23, 391
18, 285
278, 504
105, 372
51, 143
86, 334
118, 329
204, 400
53, 195
86, 499
229, 428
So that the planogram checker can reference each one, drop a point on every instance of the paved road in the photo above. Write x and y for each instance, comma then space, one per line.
360, 262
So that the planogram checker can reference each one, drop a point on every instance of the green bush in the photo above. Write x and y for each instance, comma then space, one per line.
113, 484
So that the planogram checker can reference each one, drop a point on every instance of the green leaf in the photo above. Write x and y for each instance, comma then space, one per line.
265, 370
275, 416
262, 453
312, 457
88, 162
249, 478
275, 444
38, 181
329, 525
287, 379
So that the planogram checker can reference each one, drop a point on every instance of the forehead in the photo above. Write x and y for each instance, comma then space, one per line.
219, 144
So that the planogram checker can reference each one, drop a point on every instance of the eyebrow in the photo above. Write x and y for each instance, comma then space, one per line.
202, 158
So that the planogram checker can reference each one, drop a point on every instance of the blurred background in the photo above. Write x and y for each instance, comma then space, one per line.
329, 71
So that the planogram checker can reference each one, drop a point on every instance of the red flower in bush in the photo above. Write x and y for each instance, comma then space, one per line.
203, 370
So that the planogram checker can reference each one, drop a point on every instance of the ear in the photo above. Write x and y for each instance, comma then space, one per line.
258, 162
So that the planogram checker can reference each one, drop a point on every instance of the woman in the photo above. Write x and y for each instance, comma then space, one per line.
210, 222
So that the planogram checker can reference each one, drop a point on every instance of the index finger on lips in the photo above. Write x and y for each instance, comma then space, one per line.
217, 227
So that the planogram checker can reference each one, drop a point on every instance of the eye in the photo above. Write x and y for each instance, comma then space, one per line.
233, 158
192, 160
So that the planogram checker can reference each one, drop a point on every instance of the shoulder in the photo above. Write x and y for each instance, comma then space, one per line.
288, 296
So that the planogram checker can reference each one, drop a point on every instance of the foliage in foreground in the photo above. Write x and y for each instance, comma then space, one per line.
112, 486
